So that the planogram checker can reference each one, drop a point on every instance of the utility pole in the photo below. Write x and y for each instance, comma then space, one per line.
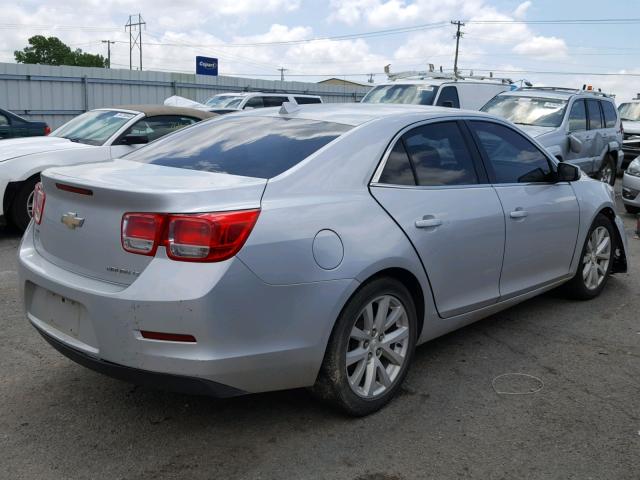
371, 75
109, 43
458, 35
282, 70
135, 37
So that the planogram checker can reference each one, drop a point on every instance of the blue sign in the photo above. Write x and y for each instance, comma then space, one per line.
206, 66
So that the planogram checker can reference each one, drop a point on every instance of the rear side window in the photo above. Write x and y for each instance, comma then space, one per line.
3, 120
398, 170
449, 98
439, 155
307, 100
578, 117
248, 146
511, 157
610, 114
595, 118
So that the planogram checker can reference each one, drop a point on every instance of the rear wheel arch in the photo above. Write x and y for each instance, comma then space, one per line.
411, 283
619, 255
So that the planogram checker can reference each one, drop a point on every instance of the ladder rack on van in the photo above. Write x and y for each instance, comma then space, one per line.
432, 74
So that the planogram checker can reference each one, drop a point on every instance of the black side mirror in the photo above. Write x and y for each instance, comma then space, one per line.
134, 140
568, 172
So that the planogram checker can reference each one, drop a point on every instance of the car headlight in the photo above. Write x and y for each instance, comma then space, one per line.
634, 168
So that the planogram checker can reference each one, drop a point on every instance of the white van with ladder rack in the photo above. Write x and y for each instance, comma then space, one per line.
438, 88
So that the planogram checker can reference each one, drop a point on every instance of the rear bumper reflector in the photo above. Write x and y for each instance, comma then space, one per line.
168, 337
72, 189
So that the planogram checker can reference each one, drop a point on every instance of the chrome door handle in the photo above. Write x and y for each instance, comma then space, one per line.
428, 222
519, 213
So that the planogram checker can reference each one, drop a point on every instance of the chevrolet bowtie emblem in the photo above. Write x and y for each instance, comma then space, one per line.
72, 220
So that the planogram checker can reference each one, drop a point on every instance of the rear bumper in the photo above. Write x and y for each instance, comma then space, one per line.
160, 381
251, 336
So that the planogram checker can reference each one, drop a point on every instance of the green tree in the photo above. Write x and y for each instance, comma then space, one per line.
52, 51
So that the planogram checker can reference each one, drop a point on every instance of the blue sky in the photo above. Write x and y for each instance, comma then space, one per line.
177, 31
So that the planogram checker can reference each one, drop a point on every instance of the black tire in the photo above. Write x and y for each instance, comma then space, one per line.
332, 384
18, 209
631, 209
607, 164
576, 287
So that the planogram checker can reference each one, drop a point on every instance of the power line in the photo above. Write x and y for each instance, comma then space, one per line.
587, 21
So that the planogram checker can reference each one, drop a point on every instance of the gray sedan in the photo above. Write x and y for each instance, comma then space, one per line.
311, 246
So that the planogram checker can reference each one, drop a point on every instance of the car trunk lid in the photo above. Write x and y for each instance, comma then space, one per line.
81, 226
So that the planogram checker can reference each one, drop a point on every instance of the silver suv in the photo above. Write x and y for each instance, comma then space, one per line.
576, 126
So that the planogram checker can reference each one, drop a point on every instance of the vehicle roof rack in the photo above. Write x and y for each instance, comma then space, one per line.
574, 91
441, 75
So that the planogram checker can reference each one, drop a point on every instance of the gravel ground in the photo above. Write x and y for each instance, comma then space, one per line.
59, 420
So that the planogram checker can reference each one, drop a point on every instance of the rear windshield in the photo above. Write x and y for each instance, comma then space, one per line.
248, 146
410, 94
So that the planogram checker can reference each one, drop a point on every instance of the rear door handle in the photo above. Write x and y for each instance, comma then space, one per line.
428, 221
519, 213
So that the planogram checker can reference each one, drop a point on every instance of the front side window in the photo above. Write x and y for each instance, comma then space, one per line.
578, 117
405, 94
449, 98
439, 155
511, 157
595, 119
274, 101
610, 115
254, 102
159, 126
95, 127
538, 111
249, 146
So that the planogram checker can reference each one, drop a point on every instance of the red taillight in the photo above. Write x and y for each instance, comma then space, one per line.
47, 129
203, 237
141, 232
39, 197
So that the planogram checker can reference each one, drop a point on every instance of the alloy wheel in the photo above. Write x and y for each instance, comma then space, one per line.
596, 258
378, 347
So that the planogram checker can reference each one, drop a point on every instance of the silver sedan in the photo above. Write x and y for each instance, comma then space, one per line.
310, 246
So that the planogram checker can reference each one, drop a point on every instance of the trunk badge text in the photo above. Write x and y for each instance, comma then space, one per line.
72, 220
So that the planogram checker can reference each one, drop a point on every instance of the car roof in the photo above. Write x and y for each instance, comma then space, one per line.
355, 114
264, 94
155, 110
440, 81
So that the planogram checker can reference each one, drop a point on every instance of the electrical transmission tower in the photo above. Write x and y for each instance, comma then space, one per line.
282, 70
109, 43
458, 35
135, 37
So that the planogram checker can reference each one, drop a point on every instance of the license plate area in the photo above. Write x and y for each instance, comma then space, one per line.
61, 313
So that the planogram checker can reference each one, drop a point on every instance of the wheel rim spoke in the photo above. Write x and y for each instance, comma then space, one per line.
356, 355
377, 347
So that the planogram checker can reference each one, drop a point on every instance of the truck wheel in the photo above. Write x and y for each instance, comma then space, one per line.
607, 172
22, 207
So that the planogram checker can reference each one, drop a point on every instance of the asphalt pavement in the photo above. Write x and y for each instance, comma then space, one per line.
577, 415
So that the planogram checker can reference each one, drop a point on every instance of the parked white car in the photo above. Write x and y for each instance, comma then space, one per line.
95, 136
233, 102
429, 88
